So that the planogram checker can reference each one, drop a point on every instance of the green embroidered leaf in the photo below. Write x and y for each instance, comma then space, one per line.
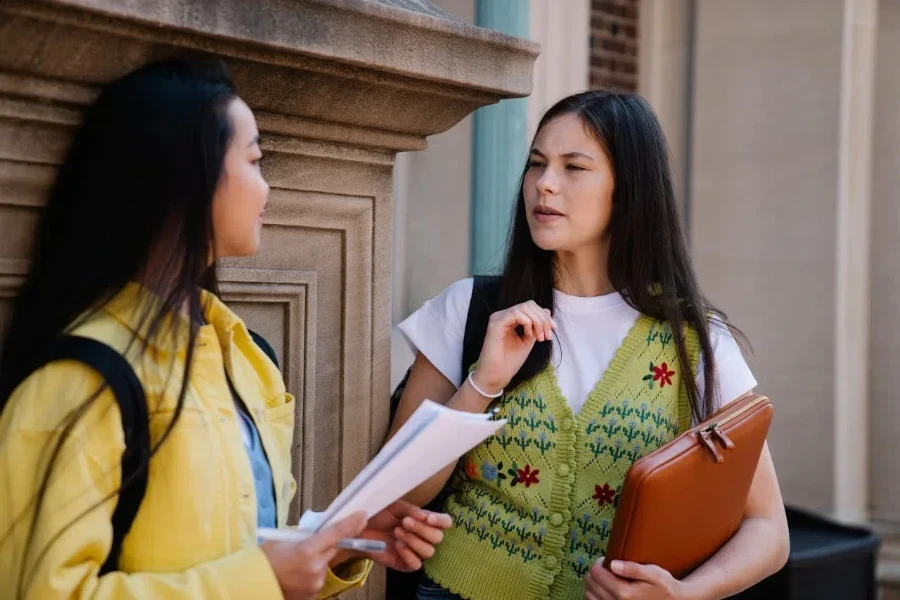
647, 377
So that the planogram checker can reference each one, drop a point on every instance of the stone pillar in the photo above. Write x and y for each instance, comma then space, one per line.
563, 66
338, 88
665, 60
499, 149
884, 410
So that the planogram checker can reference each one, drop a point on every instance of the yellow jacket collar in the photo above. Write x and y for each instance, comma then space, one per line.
136, 306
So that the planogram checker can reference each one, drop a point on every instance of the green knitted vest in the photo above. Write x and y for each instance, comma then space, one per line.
533, 505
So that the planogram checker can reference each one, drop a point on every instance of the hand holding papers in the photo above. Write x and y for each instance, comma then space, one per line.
434, 436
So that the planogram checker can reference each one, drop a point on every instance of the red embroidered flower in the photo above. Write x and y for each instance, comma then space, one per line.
471, 469
663, 375
527, 476
604, 495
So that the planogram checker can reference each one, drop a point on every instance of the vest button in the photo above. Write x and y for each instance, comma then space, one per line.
562, 470
567, 425
551, 563
556, 519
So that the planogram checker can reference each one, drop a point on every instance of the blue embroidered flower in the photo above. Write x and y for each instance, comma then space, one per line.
488, 471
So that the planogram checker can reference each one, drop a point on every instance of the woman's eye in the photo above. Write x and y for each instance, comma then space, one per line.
534, 164
574, 168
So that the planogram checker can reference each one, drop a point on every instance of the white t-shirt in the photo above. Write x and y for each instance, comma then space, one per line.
589, 331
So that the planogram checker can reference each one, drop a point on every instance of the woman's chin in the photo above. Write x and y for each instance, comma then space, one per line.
549, 243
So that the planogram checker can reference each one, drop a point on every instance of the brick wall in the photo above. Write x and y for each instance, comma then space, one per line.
614, 44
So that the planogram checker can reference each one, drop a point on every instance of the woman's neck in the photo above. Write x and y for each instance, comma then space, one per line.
583, 272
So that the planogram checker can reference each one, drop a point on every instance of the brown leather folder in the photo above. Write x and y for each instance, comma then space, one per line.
684, 501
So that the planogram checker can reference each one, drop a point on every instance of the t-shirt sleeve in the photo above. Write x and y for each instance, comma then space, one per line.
437, 329
733, 373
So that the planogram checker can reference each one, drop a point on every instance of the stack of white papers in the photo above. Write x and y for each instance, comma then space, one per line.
434, 436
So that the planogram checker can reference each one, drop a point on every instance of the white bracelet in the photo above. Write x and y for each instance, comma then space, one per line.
479, 390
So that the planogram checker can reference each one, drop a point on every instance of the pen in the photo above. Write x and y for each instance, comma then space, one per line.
299, 535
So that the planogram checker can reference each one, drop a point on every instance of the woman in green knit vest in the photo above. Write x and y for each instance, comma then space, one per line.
601, 348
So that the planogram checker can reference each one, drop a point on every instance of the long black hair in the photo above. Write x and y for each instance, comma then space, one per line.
648, 261
132, 199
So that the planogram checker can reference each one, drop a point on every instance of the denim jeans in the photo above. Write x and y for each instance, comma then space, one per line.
429, 590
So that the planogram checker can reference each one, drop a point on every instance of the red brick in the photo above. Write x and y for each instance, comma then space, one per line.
613, 58
613, 46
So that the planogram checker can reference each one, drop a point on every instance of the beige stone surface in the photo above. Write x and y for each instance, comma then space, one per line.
885, 350
338, 86
664, 75
763, 210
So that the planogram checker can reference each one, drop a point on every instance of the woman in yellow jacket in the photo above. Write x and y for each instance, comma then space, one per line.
161, 180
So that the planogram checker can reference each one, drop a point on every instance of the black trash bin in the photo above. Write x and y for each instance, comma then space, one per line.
828, 561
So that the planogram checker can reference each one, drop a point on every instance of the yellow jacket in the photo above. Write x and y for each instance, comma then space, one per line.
195, 533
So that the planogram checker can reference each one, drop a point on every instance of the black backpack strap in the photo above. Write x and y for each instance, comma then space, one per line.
129, 393
265, 346
485, 293
484, 301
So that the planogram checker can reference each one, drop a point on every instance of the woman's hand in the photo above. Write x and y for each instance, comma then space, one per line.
504, 351
410, 532
632, 581
301, 567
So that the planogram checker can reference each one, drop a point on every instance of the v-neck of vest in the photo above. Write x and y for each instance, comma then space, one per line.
622, 357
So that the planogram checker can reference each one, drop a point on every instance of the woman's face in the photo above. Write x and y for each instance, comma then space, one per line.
241, 196
568, 187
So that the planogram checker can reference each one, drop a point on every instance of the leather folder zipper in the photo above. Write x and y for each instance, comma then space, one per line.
706, 434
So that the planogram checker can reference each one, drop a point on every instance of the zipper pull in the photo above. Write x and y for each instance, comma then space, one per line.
707, 441
726, 441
